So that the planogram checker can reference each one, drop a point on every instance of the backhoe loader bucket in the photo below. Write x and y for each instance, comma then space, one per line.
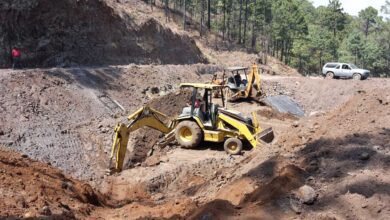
267, 135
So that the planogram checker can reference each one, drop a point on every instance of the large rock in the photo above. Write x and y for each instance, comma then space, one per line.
306, 194
46, 211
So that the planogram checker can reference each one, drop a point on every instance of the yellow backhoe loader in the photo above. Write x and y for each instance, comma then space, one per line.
202, 120
237, 87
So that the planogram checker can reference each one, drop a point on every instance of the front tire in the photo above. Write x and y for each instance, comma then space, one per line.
188, 134
357, 76
233, 146
329, 75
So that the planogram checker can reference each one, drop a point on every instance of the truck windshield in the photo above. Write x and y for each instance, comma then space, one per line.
353, 66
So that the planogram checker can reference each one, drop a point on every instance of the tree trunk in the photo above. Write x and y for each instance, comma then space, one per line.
320, 62
282, 51
276, 49
254, 34
355, 55
288, 52
300, 64
245, 21
224, 20
229, 14
166, 10
209, 15
239, 23
184, 15
253, 42
202, 17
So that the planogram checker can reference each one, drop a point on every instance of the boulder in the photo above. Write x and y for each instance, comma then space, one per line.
306, 194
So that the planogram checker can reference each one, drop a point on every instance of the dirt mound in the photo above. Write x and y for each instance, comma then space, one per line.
364, 119
260, 203
337, 156
140, 210
218, 209
270, 113
70, 32
290, 177
345, 151
30, 189
277, 67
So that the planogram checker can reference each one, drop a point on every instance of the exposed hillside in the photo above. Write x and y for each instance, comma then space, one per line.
216, 50
70, 32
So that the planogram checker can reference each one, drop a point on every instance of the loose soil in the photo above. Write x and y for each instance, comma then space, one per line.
30, 188
343, 155
144, 141
339, 152
63, 118
67, 115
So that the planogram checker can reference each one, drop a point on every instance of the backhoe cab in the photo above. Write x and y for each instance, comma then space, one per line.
202, 120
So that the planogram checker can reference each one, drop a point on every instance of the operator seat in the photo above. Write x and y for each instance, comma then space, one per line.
197, 112
238, 80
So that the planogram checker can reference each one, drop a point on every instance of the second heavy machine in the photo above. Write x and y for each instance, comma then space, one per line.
239, 82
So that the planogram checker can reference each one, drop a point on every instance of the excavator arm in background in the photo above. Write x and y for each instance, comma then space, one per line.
143, 117
253, 80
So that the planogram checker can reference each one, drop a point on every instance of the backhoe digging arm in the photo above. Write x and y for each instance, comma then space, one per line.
253, 79
143, 117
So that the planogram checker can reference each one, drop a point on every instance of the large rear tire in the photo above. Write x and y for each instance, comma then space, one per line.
188, 134
233, 146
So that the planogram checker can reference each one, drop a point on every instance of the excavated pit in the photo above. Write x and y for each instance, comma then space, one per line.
96, 33
143, 141
345, 149
65, 117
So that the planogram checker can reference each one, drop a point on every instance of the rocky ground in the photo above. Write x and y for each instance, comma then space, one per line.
328, 166
57, 124
339, 149
72, 111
